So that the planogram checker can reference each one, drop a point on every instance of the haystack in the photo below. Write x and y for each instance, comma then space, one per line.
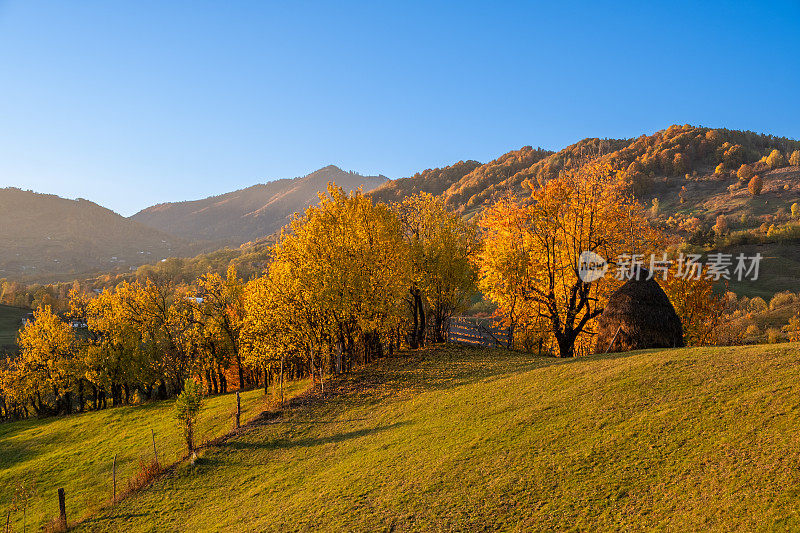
638, 315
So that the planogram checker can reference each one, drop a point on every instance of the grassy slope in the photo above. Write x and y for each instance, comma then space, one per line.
467, 439
77, 452
10, 323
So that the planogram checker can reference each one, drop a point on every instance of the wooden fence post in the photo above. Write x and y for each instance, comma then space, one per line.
114, 476
155, 453
62, 509
238, 409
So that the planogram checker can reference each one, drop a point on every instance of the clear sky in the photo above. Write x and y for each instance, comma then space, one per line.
134, 103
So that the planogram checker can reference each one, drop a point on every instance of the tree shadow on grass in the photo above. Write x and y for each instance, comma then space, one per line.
443, 367
281, 444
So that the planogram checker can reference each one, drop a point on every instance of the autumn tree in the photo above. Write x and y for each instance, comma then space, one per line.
45, 370
697, 305
443, 276
794, 158
745, 173
755, 185
335, 287
734, 156
219, 306
793, 328
775, 159
531, 252
187, 409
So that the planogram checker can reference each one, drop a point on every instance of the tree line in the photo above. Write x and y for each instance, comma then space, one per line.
348, 281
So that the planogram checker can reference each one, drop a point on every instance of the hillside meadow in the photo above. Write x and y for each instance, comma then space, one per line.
453, 438
77, 452
10, 320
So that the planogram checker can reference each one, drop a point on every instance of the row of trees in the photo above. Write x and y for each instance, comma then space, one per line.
348, 281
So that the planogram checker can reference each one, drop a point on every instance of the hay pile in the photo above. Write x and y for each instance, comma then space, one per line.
638, 315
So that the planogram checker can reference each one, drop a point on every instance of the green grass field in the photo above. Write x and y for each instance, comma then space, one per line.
77, 452
467, 439
10, 318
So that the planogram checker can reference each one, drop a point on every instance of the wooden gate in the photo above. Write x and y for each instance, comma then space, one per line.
478, 332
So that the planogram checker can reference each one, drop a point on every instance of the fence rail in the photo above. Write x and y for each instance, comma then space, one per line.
478, 332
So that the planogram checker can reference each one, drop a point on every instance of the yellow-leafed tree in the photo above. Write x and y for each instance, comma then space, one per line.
46, 370
529, 264
441, 246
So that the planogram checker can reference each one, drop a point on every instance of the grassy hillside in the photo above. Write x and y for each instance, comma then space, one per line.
10, 322
466, 439
77, 452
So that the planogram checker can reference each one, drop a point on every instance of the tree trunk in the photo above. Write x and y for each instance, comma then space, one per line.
223, 382
282, 381
241, 373
80, 396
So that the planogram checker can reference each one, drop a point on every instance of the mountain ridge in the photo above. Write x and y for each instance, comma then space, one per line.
691, 175
46, 235
247, 214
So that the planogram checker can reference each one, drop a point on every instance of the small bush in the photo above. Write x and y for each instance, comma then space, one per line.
745, 173
781, 299
774, 335
187, 408
755, 185
793, 328
148, 471
757, 305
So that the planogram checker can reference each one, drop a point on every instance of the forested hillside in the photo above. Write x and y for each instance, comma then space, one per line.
43, 235
684, 167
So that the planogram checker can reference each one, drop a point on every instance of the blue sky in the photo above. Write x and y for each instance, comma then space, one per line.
134, 103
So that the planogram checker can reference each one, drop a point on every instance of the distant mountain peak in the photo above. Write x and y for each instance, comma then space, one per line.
249, 214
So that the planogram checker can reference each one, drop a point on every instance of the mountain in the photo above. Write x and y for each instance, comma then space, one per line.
692, 171
43, 236
690, 175
252, 213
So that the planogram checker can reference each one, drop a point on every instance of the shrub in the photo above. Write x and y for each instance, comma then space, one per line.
187, 408
752, 331
793, 329
795, 210
721, 227
654, 208
794, 158
720, 169
755, 185
773, 335
781, 299
148, 471
745, 173
775, 159
757, 305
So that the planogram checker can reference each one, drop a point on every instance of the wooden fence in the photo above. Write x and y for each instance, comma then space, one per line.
478, 332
